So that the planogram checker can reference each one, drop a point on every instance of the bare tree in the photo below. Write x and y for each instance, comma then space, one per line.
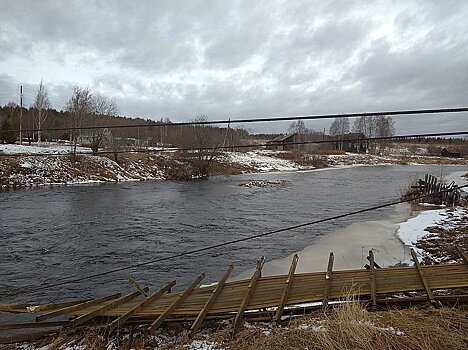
383, 126
102, 107
207, 143
338, 128
298, 127
80, 106
364, 125
41, 105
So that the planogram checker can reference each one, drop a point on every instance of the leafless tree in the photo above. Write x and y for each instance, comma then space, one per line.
383, 126
375, 126
364, 125
41, 105
207, 143
298, 127
102, 107
80, 106
338, 128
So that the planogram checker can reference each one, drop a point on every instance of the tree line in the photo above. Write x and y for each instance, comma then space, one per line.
86, 108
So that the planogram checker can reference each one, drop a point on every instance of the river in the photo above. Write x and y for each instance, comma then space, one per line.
52, 233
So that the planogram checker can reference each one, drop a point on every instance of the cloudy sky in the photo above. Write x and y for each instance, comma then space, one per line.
233, 59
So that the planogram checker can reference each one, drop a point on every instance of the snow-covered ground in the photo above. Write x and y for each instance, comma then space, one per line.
432, 231
414, 229
44, 148
260, 160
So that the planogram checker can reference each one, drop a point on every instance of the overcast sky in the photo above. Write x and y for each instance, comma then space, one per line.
233, 59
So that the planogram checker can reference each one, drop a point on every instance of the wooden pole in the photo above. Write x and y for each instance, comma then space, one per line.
248, 295
90, 315
287, 288
182, 296
156, 295
373, 286
70, 309
204, 311
328, 281
430, 296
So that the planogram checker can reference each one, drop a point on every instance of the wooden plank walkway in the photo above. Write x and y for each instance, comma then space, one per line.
237, 299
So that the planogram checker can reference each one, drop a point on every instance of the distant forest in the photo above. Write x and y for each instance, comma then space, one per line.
175, 136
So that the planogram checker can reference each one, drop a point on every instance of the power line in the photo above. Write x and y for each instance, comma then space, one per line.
67, 280
214, 148
260, 120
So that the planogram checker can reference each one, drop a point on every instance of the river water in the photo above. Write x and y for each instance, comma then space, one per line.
49, 234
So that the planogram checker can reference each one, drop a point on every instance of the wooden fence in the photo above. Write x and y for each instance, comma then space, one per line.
442, 193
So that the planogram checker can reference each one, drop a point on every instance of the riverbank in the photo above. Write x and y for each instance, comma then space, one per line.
431, 231
20, 168
357, 326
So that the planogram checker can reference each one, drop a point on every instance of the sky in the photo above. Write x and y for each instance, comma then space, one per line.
243, 59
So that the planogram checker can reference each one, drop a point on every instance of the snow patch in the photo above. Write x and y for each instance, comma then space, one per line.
260, 160
203, 345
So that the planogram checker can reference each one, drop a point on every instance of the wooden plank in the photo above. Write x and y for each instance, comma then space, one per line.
30, 308
463, 255
18, 338
216, 292
28, 325
182, 296
70, 309
287, 288
90, 315
248, 295
373, 286
430, 296
328, 281
156, 295
135, 285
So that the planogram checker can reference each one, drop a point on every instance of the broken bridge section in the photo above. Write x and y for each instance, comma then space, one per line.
271, 298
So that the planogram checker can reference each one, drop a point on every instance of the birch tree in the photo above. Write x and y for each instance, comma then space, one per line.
338, 128
41, 105
102, 107
80, 106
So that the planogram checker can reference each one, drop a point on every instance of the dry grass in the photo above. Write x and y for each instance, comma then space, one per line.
348, 326
351, 327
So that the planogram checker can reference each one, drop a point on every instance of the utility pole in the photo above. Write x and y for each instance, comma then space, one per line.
21, 115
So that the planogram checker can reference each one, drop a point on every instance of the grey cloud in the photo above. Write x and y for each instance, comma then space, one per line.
247, 59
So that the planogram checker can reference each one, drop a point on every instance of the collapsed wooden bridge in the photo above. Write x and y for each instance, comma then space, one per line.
258, 298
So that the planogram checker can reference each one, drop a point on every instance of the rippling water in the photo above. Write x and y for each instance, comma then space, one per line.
51, 233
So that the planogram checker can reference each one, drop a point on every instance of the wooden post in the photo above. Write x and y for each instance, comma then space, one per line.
90, 315
216, 292
328, 281
287, 288
373, 286
182, 296
430, 296
156, 295
70, 309
248, 295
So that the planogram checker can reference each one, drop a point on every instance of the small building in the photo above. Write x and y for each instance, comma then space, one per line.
352, 142
450, 154
283, 142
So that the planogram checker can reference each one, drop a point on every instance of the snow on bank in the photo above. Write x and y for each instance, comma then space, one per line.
416, 228
260, 160
45, 148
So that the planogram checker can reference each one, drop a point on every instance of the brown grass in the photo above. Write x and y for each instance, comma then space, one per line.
351, 327
348, 326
